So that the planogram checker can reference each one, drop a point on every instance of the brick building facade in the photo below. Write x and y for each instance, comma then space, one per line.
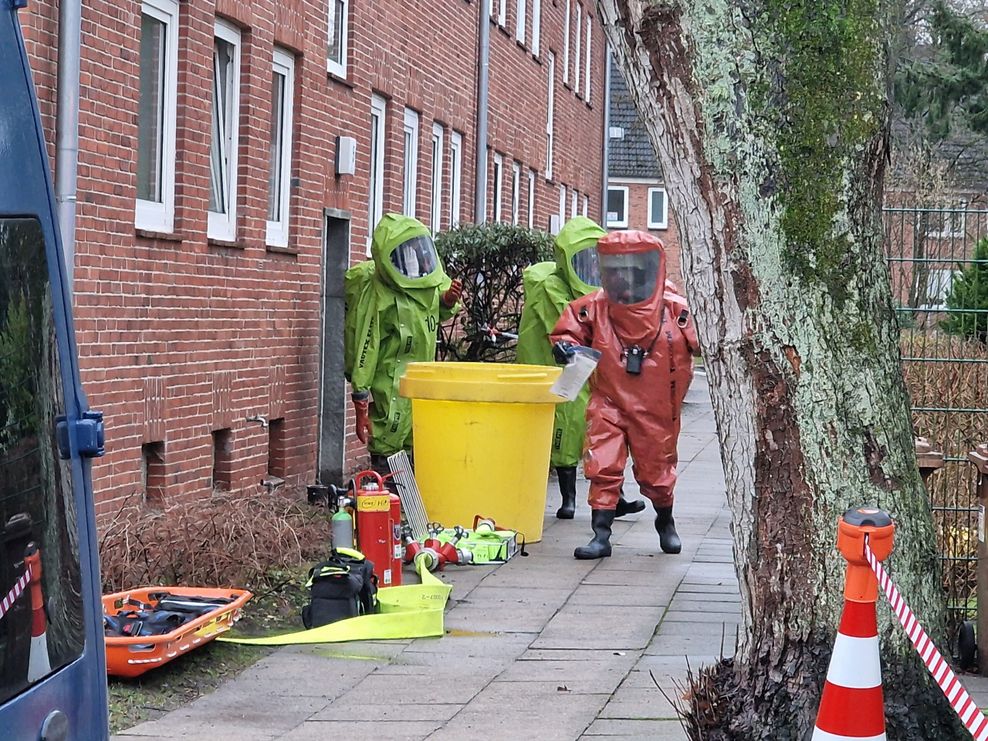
216, 215
636, 194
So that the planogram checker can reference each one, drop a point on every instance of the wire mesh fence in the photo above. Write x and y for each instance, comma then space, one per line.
938, 261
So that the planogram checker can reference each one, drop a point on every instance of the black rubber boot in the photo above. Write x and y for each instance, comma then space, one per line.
600, 547
567, 487
624, 507
665, 526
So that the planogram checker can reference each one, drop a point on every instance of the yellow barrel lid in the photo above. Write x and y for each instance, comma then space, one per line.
488, 382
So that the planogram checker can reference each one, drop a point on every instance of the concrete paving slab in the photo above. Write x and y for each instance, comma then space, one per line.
581, 626
381, 689
662, 730
388, 712
611, 595
363, 730
641, 703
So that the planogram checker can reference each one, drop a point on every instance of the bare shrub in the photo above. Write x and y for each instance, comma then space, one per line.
227, 540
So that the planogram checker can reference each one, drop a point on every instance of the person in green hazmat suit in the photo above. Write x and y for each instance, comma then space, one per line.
549, 288
394, 304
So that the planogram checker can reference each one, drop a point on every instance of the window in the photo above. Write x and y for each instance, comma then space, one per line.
37, 497
550, 114
515, 191
617, 206
502, 12
455, 178
587, 59
562, 205
531, 199
339, 37
536, 27
566, 23
498, 185
658, 213
574, 199
437, 177
586, 206
945, 223
576, 48
375, 198
520, 12
280, 147
224, 136
411, 162
938, 284
156, 112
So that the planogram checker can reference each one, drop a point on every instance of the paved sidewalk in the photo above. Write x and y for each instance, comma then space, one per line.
545, 646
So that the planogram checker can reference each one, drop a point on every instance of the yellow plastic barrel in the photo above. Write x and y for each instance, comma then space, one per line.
482, 435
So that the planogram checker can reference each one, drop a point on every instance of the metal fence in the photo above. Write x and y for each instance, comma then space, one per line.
937, 279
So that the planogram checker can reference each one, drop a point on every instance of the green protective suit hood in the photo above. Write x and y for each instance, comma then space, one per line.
391, 320
393, 231
549, 288
578, 234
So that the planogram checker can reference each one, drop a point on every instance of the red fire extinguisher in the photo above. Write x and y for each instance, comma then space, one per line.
379, 527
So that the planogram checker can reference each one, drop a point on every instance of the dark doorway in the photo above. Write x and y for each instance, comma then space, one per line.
332, 396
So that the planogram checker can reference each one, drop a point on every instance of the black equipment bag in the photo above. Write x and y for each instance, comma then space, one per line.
343, 586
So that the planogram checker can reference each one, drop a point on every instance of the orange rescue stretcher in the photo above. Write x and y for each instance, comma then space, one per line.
132, 656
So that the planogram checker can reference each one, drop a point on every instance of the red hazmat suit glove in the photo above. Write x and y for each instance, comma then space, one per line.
361, 405
453, 294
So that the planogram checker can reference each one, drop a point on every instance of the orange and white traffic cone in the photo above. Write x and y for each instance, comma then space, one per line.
852, 706
38, 665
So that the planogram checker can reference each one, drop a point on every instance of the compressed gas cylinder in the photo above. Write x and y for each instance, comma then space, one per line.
341, 527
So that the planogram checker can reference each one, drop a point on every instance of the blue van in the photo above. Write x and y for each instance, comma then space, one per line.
52, 661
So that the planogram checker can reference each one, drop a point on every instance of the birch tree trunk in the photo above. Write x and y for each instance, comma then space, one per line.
770, 120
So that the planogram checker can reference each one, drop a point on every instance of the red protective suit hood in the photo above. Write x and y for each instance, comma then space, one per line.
636, 324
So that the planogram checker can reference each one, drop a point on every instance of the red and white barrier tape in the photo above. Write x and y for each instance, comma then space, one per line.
16, 591
957, 696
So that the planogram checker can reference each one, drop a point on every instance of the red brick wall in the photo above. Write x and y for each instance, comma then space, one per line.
180, 337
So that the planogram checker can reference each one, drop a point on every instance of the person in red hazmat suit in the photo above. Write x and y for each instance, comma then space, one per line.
646, 338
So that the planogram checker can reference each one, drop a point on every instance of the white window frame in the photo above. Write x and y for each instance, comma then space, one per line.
550, 123
375, 200
531, 199
520, 11
159, 216
662, 223
498, 189
566, 25
578, 37
939, 282
953, 224
502, 13
338, 68
586, 205
438, 152
562, 205
410, 163
222, 225
536, 28
455, 178
277, 231
587, 59
618, 223
574, 199
515, 192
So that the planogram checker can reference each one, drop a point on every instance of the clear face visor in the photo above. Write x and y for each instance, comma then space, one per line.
586, 265
630, 278
415, 258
